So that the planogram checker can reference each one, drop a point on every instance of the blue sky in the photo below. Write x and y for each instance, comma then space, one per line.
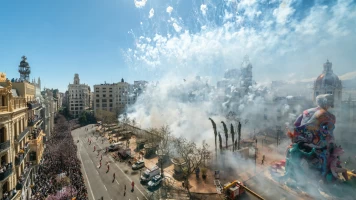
64, 37
147, 39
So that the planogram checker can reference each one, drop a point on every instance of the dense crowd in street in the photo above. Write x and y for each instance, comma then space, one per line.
60, 160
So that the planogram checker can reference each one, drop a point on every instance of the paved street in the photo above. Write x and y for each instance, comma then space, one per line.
98, 182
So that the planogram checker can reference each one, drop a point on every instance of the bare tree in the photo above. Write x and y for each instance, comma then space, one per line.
192, 155
106, 117
220, 142
165, 137
226, 133
215, 134
232, 136
239, 136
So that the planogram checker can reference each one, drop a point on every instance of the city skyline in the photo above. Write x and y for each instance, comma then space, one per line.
148, 40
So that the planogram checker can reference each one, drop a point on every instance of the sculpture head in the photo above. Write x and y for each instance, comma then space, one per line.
325, 101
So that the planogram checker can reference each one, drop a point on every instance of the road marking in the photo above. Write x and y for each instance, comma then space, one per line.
91, 191
97, 172
124, 173
105, 188
138, 198
117, 182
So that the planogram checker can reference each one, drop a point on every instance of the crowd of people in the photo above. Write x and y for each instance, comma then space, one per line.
59, 157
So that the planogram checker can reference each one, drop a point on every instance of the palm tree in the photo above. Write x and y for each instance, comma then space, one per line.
232, 136
239, 135
220, 142
226, 132
215, 133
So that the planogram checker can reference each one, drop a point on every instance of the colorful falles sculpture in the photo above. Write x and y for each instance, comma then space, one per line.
313, 142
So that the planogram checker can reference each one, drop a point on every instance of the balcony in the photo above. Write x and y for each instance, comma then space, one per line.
22, 135
35, 133
24, 176
20, 156
32, 121
33, 105
4, 146
18, 102
3, 108
5, 174
15, 103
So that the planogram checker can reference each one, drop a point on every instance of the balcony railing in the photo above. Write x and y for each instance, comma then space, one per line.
35, 133
33, 121
3, 108
6, 173
20, 157
22, 135
4, 146
15, 103
18, 102
33, 105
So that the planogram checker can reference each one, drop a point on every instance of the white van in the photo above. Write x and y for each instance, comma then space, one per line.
150, 173
115, 146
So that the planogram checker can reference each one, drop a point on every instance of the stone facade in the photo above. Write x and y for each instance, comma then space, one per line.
79, 97
116, 97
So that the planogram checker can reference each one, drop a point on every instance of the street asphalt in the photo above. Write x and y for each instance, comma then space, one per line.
98, 181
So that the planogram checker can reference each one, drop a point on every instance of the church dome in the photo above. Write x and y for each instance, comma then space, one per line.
328, 78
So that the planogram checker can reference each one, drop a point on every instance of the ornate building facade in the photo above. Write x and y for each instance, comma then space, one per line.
21, 133
79, 97
328, 83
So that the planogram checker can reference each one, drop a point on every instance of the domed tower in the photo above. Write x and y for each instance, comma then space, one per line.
76, 80
328, 83
24, 69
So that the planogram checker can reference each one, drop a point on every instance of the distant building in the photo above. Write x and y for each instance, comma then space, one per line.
328, 83
79, 97
116, 97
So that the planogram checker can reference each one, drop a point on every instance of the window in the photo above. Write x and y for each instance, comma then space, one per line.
97, 101
104, 95
110, 100
329, 92
110, 95
97, 105
104, 100
104, 105
97, 95
111, 105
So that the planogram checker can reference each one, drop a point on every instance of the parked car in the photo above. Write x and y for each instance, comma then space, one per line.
115, 146
148, 174
138, 165
155, 181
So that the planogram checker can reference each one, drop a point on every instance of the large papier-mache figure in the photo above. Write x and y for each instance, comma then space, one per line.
313, 139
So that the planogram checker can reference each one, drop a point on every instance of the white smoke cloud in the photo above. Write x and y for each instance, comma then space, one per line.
283, 11
203, 9
151, 13
177, 27
140, 3
271, 38
169, 9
